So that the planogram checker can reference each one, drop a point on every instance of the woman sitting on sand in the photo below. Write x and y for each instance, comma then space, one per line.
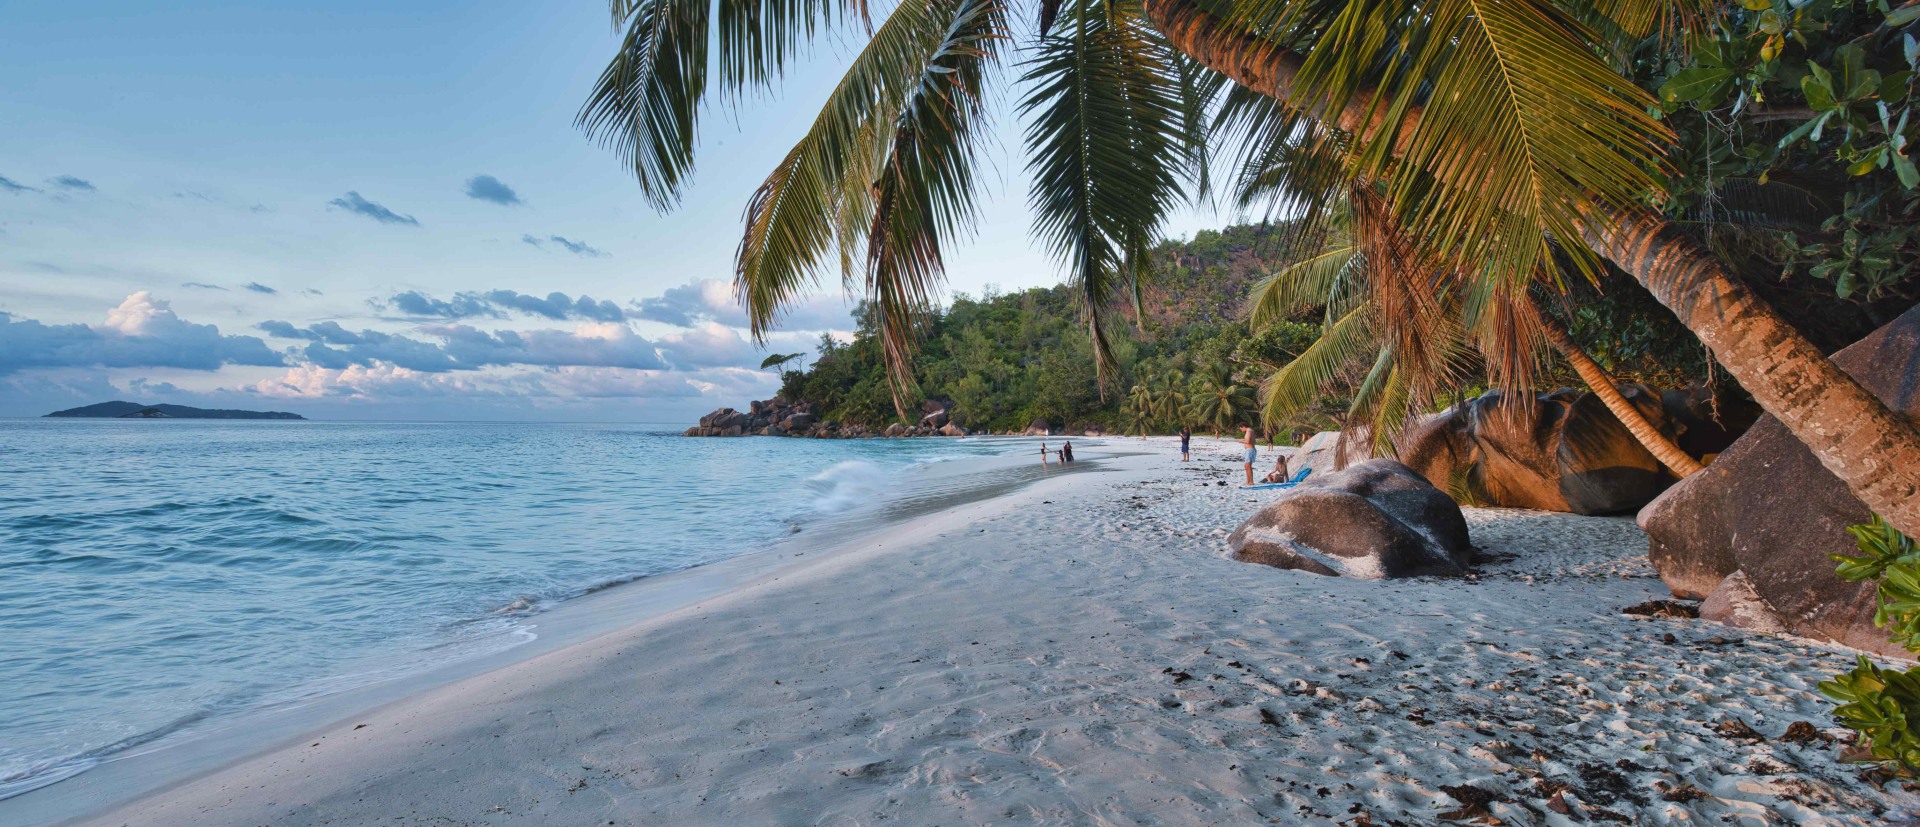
1279, 472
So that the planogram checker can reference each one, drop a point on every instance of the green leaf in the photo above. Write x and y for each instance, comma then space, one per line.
1818, 87
1893, 87
1705, 85
1756, 5
1903, 167
1852, 80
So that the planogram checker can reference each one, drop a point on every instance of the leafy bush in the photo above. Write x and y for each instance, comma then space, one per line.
1882, 705
1892, 558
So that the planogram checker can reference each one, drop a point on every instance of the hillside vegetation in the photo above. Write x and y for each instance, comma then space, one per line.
1005, 359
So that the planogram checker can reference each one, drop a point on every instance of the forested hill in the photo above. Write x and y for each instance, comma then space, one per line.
1005, 359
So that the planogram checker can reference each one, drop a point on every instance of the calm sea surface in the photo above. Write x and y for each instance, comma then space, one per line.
155, 575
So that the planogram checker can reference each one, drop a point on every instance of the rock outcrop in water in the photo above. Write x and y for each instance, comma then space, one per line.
1752, 533
779, 417
1377, 519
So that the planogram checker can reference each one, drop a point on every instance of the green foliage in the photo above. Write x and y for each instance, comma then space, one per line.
1798, 118
1220, 402
1004, 360
776, 360
1893, 559
1882, 704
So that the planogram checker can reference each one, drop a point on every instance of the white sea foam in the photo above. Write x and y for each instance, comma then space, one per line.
848, 485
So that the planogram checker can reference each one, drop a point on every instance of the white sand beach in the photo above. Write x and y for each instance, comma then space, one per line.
1082, 652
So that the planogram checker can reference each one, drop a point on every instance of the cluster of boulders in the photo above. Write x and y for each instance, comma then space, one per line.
1752, 534
1375, 519
778, 417
1559, 451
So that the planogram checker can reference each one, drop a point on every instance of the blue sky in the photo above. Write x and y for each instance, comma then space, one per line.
366, 210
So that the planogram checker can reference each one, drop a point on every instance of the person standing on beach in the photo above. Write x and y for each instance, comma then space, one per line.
1186, 439
1043, 452
1253, 452
1066, 452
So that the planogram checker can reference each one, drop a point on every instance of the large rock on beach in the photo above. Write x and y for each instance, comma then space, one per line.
951, 429
1559, 451
1767, 509
1039, 427
895, 430
1326, 453
1376, 519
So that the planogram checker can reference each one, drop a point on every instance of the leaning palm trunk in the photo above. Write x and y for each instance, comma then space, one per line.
1871, 448
1629, 414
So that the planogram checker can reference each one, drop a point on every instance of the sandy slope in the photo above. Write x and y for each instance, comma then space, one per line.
1085, 655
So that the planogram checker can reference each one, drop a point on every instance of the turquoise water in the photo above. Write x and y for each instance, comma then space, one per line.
156, 575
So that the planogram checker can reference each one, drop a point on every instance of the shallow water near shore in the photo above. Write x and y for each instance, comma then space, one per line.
161, 578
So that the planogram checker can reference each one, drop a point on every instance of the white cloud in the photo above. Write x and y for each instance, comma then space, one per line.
143, 331
712, 300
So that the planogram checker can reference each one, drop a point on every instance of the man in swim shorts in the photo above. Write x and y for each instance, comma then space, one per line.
1253, 452
1186, 439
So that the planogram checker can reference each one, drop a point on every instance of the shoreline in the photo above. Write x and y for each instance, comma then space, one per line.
198, 747
1082, 652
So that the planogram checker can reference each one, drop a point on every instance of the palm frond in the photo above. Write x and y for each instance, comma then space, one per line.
925, 190
1496, 125
1311, 282
646, 105
1296, 385
820, 197
1105, 148
1505, 325
758, 37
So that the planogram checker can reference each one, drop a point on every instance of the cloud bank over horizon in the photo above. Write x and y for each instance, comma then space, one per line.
499, 350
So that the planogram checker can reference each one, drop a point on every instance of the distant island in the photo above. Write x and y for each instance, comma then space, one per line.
134, 410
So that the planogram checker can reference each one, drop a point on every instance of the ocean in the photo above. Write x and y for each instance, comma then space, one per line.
159, 577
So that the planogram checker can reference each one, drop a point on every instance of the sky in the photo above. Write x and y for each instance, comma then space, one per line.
360, 210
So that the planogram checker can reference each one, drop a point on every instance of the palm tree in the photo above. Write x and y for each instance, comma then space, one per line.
1495, 128
1169, 398
1481, 116
1414, 327
1220, 401
1139, 409
780, 361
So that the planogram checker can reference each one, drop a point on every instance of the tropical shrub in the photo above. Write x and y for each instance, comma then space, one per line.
1891, 558
1883, 705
